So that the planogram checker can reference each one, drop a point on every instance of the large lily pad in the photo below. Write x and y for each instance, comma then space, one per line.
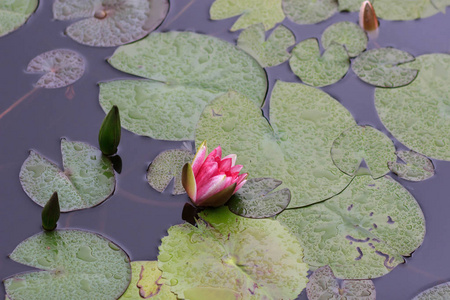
14, 13
267, 12
350, 5
75, 265
364, 232
294, 148
309, 12
348, 34
237, 255
109, 23
192, 70
405, 10
416, 167
418, 115
440, 291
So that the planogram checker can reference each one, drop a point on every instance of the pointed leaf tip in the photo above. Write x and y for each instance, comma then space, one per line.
109, 135
188, 181
50, 213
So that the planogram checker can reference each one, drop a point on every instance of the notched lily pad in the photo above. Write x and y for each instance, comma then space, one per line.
14, 13
440, 291
405, 10
416, 167
348, 34
74, 265
309, 12
109, 23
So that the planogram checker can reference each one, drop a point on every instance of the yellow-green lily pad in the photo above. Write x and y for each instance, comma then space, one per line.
309, 12
405, 10
416, 167
350, 5
348, 34
14, 13
437, 292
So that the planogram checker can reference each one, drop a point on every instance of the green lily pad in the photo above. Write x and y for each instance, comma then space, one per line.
323, 285
294, 147
167, 166
348, 34
191, 70
146, 283
404, 10
383, 67
268, 53
238, 254
363, 143
416, 167
88, 178
309, 12
350, 5
440, 291
267, 12
109, 23
441, 5
74, 265
364, 232
418, 114
317, 70
14, 13
257, 199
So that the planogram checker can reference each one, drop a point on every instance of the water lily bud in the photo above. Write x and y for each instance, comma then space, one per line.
50, 213
367, 17
109, 135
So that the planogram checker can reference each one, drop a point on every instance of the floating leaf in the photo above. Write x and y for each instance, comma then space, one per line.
268, 53
440, 291
267, 12
348, 34
75, 265
257, 199
309, 12
418, 114
383, 67
294, 148
14, 13
109, 23
167, 166
364, 232
237, 254
317, 70
363, 143
441, 4
193, 69
416, 167
61, 67
350, 5
404, 10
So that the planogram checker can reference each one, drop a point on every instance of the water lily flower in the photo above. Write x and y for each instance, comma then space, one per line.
211, 181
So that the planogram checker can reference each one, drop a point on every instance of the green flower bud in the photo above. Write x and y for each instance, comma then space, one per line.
109, 135
50, 213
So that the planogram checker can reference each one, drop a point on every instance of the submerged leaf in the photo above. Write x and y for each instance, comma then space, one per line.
348, 34
440, 291
14, 13
405, 10
309, 12
416, 167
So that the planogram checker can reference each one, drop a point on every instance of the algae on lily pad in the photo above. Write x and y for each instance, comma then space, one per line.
406, 10
109, 23
255, 259
364, 232
73, 264
416, 167
309, 12
187, 71
14, 13
348, 34
437, 292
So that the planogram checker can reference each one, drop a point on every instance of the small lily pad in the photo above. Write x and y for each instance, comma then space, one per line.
267, 12
348, 34
268, 53
440, 291
350, 5
416, 167
167, 166
317, 70
404, 10
75, 265
383, 67
110, 23
309, 12
14, 13
257, 199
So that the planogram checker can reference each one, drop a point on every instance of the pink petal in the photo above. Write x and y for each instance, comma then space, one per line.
233, 158
241, 180
199, 158
213, 186
215, 155
225, 165
236, 169
240, 185
206, 172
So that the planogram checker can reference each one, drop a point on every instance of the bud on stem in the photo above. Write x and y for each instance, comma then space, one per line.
50, 213
367, 17
109, 134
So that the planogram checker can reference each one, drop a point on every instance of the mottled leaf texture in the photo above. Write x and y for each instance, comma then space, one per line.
14, 13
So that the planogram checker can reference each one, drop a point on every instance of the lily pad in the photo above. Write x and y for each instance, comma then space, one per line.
238, 254
14, 13
268, 53
257, 199
348, 34
416, 167
440, 291
61, 67
364, 232
189, 70
74, 265
350, 5
88, 178
267, 12
418, 115
167, 166
383, 67
317, 70
109, 23
309, 12
404, 10
294, 147
441, 5
363, 143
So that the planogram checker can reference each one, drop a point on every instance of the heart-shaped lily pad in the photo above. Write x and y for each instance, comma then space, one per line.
61, 67
267, 12
237, 254
109, 23
382, 67
350, 5
309, 12
440, 291
268, 53
364, 232
14, 13
348, 34
405, 10
416, 167
88, 178
167, 166
192, 70
75, 265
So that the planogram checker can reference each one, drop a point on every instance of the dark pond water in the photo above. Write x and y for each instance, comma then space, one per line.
136, 216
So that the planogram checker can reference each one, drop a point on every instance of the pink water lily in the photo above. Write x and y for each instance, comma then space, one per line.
211, 181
